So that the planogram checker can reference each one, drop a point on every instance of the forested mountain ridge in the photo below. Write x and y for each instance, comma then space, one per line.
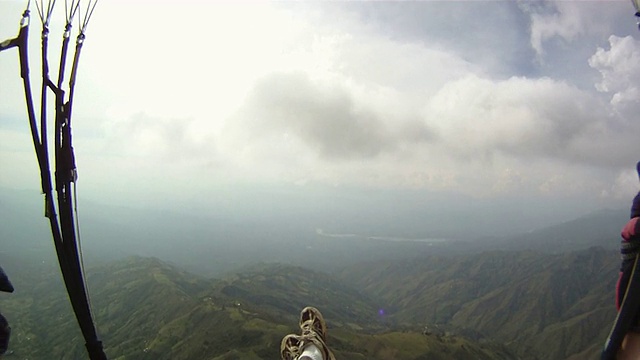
451, 299
552, 306
148, 309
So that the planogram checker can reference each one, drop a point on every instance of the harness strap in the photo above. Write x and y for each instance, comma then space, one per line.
629, 249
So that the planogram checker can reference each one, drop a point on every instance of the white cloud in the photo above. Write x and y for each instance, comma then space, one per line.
519, 117
266, 92
620, 69
625, 185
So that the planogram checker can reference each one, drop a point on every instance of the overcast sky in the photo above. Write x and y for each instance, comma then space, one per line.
183, 102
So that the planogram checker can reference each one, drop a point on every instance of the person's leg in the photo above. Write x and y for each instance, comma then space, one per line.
311, 352
5, 332
630, 349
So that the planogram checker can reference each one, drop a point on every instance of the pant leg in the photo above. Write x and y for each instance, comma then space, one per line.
5, 333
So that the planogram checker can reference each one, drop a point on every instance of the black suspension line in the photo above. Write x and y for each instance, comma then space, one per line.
63, 230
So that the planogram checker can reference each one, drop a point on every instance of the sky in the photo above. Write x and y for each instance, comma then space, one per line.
460, 107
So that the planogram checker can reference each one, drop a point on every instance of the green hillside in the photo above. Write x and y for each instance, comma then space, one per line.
148, 309
541, 305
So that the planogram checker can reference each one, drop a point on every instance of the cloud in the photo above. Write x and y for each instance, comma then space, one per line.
324, 116
433, 95
390, 112
482, 135
550, 20
565, 30
625, 184
491, 35
158, 139
619, 67
519, 117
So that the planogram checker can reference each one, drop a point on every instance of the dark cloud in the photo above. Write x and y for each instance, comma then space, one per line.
324, 116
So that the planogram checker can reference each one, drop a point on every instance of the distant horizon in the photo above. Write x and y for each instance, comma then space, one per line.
468, 118
335, 216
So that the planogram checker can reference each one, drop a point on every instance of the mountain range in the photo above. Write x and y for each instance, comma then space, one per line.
148, 309
547, 294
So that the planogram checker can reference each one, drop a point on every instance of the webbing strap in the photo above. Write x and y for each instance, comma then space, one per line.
629, 249
63, 232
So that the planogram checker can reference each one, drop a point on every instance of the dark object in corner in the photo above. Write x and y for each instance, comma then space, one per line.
5, 284
626, 315
5, 333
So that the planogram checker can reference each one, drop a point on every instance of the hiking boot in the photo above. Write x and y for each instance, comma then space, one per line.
312, 321
314, 330
290, 347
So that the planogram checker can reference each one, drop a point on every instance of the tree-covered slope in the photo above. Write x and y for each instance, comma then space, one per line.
148, 309
545, 306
